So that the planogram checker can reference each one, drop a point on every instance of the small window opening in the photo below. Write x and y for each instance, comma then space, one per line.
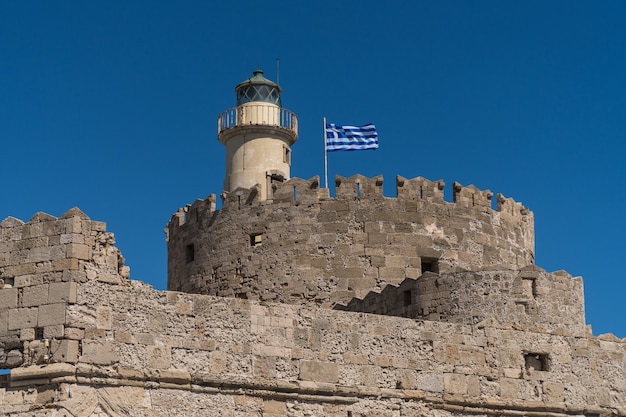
429, 265
287, 156
421, 192
190, 253
358, 190
7, 282
38, 333
536, 361
295, 194
256, 239
407, 298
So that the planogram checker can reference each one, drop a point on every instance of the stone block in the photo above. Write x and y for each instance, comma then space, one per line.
65, 263
38, 254
145, 339
455, 383
4, 320
130, 373
20, 318
377, 239
396, 261
27, 334
274, 408
508, 388
51, 314
23, 281
54, 332
22, 269
158, 357
103, 318
98, 226
98, 352
319, 371
217, 363
42, 372
124, 337
62, 292
174, 376
93, 333
35, 296
65, 351
555, 392
78, 251
430, 381
391, 274
8, 298
74, 333
264, 367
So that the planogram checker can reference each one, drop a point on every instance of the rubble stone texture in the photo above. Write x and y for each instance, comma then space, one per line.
304, 305
304, 247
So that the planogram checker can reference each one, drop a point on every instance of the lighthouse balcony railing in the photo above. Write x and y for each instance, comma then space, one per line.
257, 114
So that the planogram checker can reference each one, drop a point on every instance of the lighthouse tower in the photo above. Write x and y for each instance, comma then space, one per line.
258, 135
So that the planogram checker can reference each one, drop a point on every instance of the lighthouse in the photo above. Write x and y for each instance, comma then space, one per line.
258, 134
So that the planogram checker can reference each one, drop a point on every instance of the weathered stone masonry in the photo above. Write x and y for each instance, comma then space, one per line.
145, 352
83, 340
303, 246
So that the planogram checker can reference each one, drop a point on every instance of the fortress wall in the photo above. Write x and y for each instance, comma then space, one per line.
531, 298
42, 262
152, 353
303, 246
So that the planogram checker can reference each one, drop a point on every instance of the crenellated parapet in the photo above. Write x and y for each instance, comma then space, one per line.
303, 246
530, 297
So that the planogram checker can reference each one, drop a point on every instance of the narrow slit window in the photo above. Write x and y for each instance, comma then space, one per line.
287, 156
190, 253
407, 298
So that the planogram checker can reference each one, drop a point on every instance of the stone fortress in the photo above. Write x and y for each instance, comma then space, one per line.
289, 302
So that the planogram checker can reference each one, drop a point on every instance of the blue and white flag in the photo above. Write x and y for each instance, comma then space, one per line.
350, 138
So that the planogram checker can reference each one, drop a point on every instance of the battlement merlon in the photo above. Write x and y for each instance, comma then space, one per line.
419, 189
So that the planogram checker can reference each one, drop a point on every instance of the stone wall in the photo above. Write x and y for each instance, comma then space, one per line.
303, 246
151, 353
531, 298
41, 264
82, 340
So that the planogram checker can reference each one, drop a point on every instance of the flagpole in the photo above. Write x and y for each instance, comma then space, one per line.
325, 158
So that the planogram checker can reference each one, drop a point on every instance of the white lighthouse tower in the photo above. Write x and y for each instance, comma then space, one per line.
258, 135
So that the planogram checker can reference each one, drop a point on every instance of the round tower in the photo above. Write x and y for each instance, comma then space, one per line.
258, 135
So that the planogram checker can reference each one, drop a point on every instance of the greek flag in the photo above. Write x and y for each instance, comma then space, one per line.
350, 138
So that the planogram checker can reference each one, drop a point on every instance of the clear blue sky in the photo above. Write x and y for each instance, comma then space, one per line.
112, 106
